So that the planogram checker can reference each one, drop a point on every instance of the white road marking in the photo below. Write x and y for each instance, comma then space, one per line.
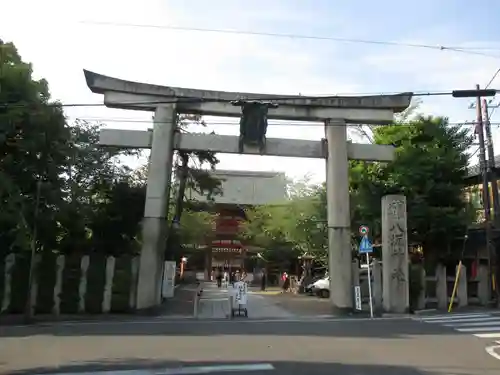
479, 329
475, 323
488, 335
188, 370
492, 350
443, 318
481, 325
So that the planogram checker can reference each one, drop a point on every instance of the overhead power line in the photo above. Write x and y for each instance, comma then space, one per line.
492, 79
454, 93
236, 123
468, 50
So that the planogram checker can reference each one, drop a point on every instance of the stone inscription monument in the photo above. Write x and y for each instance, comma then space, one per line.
395, 278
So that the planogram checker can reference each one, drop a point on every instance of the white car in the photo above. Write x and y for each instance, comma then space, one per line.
321, 287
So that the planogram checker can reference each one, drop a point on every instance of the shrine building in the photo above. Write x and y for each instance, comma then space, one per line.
240, 190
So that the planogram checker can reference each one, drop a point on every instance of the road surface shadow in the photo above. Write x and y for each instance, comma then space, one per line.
350, 328
280, 368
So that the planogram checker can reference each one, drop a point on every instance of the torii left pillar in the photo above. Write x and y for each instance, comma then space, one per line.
338, 216
154, 225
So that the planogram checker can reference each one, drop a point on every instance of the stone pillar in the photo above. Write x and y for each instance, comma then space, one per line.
355, 274
154, 225
377, 286
441, 287
462, 296
422, 298
339, 238
483, 287
396, 293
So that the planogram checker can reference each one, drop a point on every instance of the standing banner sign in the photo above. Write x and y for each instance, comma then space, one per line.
357, 297
240, 293
168, 287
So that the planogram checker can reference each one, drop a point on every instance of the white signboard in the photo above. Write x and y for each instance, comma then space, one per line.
240, 290
357, 297
168, 287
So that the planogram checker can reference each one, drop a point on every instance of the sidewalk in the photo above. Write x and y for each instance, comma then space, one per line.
214, 305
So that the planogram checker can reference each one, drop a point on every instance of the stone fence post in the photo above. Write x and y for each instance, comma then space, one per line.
483, 288
441, 287
462, 286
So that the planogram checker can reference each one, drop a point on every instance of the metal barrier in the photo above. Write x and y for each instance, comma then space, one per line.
196, 300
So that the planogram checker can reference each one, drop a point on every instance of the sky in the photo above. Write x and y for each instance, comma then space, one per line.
61, 38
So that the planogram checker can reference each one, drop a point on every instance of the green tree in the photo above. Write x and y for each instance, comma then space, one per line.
291, 229
33, 150
96, 181
430, 167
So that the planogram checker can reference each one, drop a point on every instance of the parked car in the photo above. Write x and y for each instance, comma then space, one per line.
308, 287
321, 287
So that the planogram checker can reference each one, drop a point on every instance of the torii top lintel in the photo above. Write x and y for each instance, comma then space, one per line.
102, 84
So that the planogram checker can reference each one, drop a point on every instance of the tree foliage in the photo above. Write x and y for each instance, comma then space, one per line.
430, 167
33, 147
290, 229
430, 170
88, 200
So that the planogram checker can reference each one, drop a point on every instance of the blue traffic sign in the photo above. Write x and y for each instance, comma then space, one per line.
365, 246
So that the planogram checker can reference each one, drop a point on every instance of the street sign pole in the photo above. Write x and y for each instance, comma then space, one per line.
365, 247
369, 284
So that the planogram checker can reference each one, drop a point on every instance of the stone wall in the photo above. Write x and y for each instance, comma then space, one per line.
69, 284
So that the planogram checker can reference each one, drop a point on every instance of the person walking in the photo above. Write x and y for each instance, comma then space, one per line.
286, 282
218, 277
263, 280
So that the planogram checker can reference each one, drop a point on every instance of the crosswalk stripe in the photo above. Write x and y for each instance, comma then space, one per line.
457, 316
496, 321
481, 325
479, 329
475, 319
488, 335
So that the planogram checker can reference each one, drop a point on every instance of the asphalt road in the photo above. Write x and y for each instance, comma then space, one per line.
348, 347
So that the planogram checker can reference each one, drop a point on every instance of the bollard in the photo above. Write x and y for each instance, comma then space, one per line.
230, 301
196, 301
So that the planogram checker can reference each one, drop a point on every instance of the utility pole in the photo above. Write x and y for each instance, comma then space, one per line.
491, 168
492, 173
486, 170
483, 168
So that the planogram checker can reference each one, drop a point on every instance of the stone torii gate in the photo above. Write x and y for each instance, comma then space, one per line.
166, 102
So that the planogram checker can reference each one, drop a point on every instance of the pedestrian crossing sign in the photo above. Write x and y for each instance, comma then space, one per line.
365, 246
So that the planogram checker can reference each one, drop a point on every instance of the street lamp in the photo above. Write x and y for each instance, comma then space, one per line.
183, 263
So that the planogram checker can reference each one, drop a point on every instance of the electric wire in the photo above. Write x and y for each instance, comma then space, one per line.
181, 100
467, 50
236, 123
